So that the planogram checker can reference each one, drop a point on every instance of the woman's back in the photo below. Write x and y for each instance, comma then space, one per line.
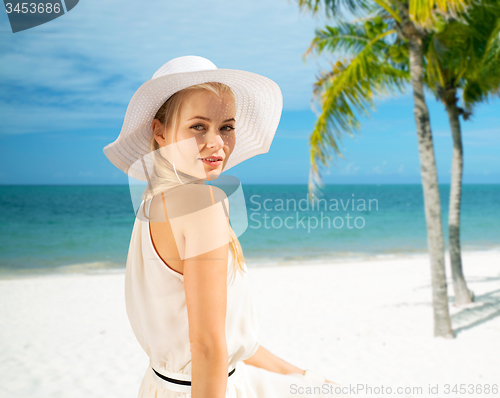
179, 204
156, 307
162, 235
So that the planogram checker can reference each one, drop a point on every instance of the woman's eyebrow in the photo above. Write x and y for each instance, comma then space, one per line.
207, 119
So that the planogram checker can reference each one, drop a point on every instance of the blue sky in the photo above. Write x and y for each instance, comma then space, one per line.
65, 87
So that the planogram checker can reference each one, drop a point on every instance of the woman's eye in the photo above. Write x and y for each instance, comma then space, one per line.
198, 127
201, 127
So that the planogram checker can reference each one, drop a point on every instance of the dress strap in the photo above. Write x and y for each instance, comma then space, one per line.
177, 381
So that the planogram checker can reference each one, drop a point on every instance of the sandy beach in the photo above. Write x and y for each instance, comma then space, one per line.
360, 323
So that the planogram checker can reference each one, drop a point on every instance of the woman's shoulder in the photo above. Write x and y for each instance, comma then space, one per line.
183, 200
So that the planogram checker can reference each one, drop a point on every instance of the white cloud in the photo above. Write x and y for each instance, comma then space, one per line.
378, 169
351, 169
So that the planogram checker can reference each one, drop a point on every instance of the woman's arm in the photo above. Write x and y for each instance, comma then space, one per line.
206, 236
205, 287
266, 360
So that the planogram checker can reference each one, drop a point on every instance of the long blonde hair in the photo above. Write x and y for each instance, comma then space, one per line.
164, 176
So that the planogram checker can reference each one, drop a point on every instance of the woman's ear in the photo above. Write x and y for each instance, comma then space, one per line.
159, 132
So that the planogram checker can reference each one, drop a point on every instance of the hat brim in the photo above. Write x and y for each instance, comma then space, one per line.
259, 104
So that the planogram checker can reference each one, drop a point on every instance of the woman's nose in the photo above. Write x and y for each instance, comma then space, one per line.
215, 141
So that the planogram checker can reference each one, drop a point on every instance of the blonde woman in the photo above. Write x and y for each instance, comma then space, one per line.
186, 286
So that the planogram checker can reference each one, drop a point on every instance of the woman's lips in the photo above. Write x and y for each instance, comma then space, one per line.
212, 161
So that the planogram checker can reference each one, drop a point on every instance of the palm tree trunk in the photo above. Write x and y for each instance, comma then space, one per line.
435, 241
462, 293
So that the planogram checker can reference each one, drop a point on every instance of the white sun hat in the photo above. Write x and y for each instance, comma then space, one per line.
259, 103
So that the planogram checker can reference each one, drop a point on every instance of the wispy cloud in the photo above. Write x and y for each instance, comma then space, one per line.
378, 169
349, 169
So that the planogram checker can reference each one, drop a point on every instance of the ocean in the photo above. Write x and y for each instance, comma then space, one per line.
87, 228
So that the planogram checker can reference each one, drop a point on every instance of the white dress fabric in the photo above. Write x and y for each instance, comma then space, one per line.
156, 308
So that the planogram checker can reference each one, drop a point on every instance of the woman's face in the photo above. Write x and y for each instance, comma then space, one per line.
205, 134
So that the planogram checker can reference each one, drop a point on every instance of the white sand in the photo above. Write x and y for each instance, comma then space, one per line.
364, 322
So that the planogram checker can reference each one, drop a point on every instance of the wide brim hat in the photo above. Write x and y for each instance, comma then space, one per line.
259, 103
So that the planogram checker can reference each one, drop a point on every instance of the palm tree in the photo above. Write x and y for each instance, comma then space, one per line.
464, 55
353, 86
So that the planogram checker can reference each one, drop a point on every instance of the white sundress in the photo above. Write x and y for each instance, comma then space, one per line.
156, 308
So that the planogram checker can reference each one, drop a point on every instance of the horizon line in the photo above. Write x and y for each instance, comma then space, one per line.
267, 183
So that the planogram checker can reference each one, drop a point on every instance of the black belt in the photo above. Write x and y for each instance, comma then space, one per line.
183, 382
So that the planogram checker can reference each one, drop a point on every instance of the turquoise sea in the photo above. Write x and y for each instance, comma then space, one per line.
82, 228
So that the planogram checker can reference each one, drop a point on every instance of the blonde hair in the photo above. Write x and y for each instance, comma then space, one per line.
164, 175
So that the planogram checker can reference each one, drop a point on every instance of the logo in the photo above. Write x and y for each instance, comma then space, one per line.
26, 15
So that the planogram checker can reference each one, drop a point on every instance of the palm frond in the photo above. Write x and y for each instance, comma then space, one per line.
427, 13
466, 55
346, 91
336, 9
492, 51
387, 6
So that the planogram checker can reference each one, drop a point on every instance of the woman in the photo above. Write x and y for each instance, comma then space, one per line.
186, 289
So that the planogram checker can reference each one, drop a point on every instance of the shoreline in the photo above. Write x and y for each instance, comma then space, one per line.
110, 268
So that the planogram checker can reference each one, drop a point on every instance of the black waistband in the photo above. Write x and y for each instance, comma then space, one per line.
183, 382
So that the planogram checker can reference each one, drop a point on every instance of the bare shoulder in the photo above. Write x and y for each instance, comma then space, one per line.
189, 199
